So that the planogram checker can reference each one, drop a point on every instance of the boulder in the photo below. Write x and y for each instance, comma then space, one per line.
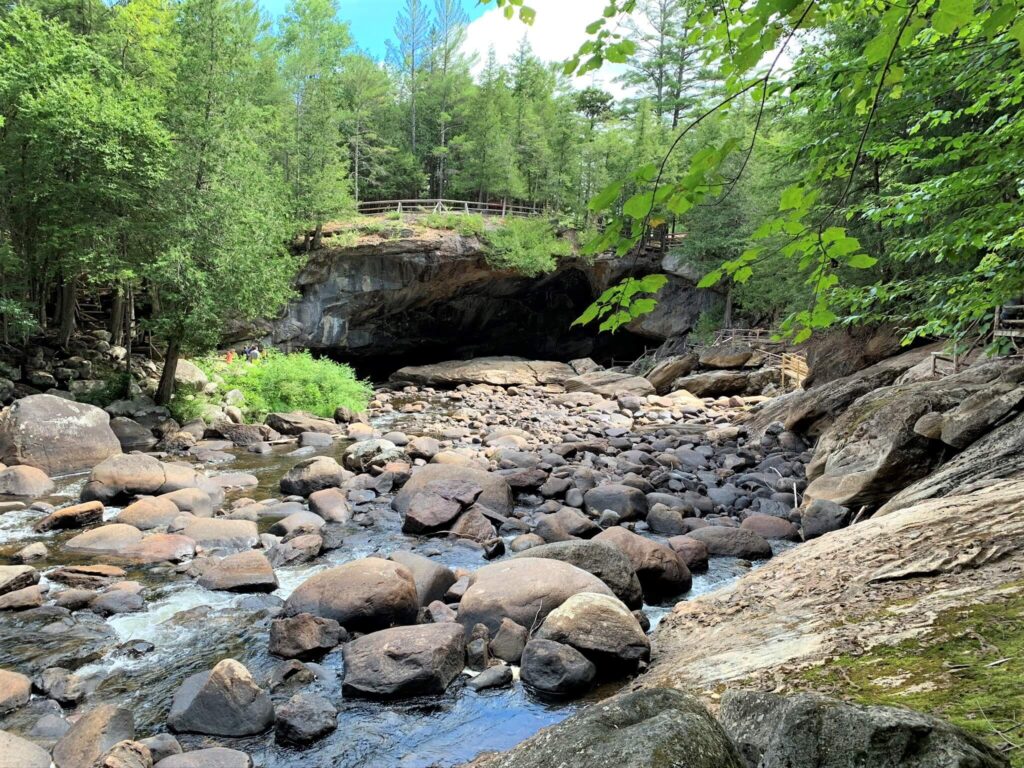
222, 702
365, 454
770, 527
509, 641
660, 570
240, 572
127, 754
362, 595
473, 525
149, 512
496, 676
775, 731
23, 599
56, 435
725, 356
189, 377
603, 560
495, 495
75, 516
131, 435
432, 579
14, 577
650, 728
822, 516
978, 413
627, 502
160, 547
305, 636
554, 669
15, 690
715, 383
331, 504
404, 661
304, 718
214, 757
296, 422
430, 512
92, 736
600, 627
609, 384
692, 552
498, 371
732, 542
524, 590
666, 371
119, 478
220, 533
25, 481
16, 752
111, 539
162, 745
298, 522
313, 475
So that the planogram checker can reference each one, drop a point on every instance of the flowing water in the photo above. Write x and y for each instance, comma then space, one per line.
191, 628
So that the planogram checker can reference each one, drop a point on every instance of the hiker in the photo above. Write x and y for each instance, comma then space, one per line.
230, 356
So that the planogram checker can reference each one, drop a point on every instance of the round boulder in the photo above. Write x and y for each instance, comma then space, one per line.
602, 629
771, 527
554, 669
605, 561
24, 481
660, 570
496, 494
732, 542
627, 502
404, 661
313, 475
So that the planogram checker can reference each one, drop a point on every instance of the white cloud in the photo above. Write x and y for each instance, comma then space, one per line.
555, 35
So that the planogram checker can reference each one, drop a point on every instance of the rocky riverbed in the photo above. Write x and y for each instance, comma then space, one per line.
483, 555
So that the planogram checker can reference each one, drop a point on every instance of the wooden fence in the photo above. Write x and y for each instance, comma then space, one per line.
438, 205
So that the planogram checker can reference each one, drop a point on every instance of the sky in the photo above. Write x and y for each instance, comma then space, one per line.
554, 36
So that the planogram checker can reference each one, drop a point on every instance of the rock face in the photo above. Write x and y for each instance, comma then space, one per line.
774, 731
500, 371
523, 590
363, 595
404, 661
656, 728
56, 435
222, 702
92, 736
496, 495
605, 561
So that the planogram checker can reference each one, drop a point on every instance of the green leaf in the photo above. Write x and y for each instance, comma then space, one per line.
638, 206
605, 197
589, 315
594, 26
742, 274
951, 15
642, 307
710, 279
652, 283
792, 197
861, 261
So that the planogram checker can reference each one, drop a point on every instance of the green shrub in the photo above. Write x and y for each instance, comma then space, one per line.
708, 324
528, 246
115, 386
291, 382
188, 407
466, 224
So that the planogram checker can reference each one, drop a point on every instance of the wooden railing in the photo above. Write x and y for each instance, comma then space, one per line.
438, 205
743, 336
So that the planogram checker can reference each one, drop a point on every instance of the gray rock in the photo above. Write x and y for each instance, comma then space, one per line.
92, 736
554, 669
625, 501
222, 702
305, 636
16, 752
723, 541
498, 676
313, 475
215, 757
509, 641
600, 627
609, 383
660, 570
822, 516
304, 718
162, 745
404, 661
496, 494
432, 579
601, 559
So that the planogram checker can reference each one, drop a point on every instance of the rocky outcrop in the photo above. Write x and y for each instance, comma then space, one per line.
500, 371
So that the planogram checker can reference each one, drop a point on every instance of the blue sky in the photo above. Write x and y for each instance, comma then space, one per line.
372, 21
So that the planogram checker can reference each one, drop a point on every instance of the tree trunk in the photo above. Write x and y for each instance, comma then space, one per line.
166, 388
318, 236
727, 319
67, 311
117, 318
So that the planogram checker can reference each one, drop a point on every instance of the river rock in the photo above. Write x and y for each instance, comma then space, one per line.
692, 552
297, 422
305, 636
193, 500
366, 454
14, 577
93, 735
304, 718
313, 475
149, 512
499, 371
496, 676
131, 435
600, 627
605, 561
362, 595
404, 661
774, 731
524, 590
554, 669
119, 478
723, 541
127, 754
56, 435
640, 729
610, 384
298, 522
331, 504
473, 525
660, 570
432, 579
822, 516
25, 481
64, 687
240, 572
666, 371
509, 641
23, 599
16, 752
160, 547
74, 516
430, 512
496, 494
627, 502
220, 533
162, 745
770, 527
111, 539
215, 757
15, 690
222, 702
715, 383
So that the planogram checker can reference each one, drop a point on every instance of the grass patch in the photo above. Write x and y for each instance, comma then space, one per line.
466, 224
969, 669
528, 246
284, 382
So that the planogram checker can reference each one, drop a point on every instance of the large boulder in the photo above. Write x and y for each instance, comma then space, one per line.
726, 356
111, 539
554, 669
404, 661
666, 371
189, 376
650, 728
600, 627
297, 422
723, 541
149, 512
978, 413
122, 477
524, 590
93, 735
218, 532
305, 636
74, 516
432, 578
16, 752
240, 572
131, 435
627, 502
661, 571
610, 384
361, 456
775, 731
25, 481
56, 435
312, 475
500, 371
222, 702
363, 595
304, 718
607, 562
715, 383
496, 494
